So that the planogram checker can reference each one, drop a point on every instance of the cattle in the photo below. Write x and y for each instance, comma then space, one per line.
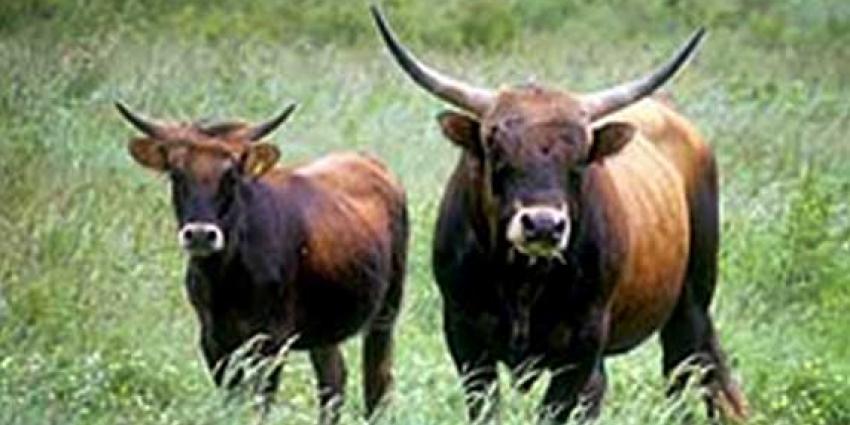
306, 256
574, 226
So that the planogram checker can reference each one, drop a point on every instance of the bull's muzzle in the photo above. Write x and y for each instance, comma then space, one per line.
201, 239
540, 230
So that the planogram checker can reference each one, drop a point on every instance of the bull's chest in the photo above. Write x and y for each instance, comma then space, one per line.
514, 338
527, 319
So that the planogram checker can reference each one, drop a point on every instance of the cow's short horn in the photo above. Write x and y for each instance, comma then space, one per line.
607, 101
259, 131
142, 124
472, 99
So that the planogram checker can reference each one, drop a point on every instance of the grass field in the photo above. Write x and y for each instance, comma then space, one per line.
94, 325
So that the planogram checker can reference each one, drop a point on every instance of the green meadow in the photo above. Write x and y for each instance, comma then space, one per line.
94, 324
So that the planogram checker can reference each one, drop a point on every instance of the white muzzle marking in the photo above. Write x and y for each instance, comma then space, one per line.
201, 239
540, 231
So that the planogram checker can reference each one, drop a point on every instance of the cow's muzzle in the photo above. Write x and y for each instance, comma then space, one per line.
201, 239
540, 230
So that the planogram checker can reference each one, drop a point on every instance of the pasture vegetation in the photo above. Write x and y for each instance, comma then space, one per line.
94, 326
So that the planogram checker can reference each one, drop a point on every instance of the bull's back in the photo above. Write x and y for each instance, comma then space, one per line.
653, 176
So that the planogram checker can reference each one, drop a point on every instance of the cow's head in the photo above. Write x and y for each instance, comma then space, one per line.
532, 144
209, 167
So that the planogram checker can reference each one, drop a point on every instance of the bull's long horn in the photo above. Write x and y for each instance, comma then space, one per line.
142, 124
259, 131
607, 101
472, 99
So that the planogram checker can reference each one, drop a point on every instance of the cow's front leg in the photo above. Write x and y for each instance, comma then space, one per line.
330, 371
216, 358
571, 374
476, 368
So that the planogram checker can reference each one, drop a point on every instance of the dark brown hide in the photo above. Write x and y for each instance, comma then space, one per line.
573, 227
642, 257
312, 254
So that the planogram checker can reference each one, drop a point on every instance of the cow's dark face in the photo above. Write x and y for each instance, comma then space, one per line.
206, 195
208, 186
533, 147
209, 170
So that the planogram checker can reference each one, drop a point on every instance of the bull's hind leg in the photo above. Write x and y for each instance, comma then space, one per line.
378, 348
330, 381
690, 347
689, 340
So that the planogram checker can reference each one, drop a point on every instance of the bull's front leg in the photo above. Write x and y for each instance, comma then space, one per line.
476, 367
577, 363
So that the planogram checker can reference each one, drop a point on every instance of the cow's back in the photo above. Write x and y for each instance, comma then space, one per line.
655, 178
354, 210
353, 219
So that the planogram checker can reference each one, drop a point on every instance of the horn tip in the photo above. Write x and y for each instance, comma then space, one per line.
287, 111
119, 105
375, 10
382, 25
698, 36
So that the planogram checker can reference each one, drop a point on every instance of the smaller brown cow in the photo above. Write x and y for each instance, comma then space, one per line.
312, 254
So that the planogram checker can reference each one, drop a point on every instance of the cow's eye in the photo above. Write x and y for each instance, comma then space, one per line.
227, 188
178, 180
176, 175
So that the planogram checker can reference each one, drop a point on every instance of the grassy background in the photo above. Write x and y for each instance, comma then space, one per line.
94, 327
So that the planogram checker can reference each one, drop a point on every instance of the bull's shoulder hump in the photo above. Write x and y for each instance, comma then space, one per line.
661, 124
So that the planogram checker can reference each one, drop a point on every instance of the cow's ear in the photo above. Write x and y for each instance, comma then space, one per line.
259, 159
609, 139
462, 130
149, 153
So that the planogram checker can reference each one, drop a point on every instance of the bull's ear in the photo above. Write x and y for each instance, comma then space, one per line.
259, 159
609, 139
149, 153
462, 130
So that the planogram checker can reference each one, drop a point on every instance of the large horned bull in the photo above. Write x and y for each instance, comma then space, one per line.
574, 227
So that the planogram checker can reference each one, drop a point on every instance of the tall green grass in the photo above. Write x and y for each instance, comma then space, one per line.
94, 326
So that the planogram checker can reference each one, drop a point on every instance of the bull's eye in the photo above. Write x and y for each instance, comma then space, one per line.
502, 174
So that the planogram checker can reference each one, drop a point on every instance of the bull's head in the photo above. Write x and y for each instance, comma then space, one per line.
210, 168
532, 144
